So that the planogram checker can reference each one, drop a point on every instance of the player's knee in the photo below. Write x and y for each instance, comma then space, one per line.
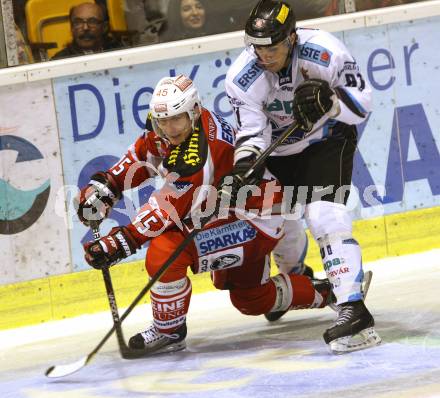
152, 266
328, 218
291, 250
254, 301
161, 248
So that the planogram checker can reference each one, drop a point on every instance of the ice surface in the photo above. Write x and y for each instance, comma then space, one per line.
231, 355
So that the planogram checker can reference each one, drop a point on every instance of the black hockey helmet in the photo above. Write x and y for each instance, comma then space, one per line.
270, 22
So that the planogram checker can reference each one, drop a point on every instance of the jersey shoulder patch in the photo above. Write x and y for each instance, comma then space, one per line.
315, 53
225, 131
247, 76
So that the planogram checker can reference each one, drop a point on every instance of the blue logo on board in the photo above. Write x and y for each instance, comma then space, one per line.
19, 209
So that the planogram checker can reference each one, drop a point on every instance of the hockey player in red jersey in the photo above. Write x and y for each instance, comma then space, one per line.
193, 150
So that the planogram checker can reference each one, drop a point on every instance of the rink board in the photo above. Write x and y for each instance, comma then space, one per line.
33, 237
100, 111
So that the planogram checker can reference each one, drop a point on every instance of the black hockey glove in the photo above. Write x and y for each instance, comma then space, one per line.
110, 249
231, 183
312, 100
95, 200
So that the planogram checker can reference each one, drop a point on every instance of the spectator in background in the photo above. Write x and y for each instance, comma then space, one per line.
190, 18
89, 27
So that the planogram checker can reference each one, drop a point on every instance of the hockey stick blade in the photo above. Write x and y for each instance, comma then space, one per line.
68, 369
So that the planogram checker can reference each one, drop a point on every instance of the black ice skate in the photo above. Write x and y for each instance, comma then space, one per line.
152, 342
353, 329
275, 315
321, 285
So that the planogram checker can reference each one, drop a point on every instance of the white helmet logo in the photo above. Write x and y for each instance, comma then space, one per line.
259, 23
183, 82
160, 107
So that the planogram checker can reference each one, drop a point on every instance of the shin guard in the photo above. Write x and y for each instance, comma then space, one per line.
295, 292
170, 303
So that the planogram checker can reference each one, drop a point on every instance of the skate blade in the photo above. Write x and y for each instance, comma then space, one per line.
169, 348
147, 352
365, 339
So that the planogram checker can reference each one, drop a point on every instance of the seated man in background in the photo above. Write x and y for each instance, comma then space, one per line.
89, 27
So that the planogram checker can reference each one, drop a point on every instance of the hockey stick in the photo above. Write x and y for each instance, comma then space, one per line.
125, 351
262, 158
65, 370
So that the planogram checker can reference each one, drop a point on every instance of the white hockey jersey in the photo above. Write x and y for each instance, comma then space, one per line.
262, 100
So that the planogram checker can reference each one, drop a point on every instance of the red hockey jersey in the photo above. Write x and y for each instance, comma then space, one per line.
191, 171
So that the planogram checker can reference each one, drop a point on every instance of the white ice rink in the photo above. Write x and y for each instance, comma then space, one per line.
230, 355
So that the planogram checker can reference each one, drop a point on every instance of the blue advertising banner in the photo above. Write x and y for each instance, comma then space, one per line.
397, 166
399, 144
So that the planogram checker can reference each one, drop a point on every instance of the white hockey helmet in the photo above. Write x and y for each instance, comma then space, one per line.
173, 96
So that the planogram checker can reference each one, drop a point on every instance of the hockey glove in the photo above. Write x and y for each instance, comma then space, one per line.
312, 100
110, 249
231, 183
96, 200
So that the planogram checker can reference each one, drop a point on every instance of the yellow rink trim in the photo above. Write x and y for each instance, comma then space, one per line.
65, 296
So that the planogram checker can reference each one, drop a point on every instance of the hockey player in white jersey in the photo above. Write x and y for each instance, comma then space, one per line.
284, 75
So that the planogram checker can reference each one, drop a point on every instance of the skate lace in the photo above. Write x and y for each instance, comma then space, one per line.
151, 334
344, 315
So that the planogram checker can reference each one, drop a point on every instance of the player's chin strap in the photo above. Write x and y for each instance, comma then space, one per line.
64, 370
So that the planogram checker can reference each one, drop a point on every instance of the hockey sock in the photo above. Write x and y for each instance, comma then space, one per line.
170, 303
341, 256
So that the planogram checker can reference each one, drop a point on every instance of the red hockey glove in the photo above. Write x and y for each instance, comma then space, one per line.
231, 184
110, 249
96, 200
